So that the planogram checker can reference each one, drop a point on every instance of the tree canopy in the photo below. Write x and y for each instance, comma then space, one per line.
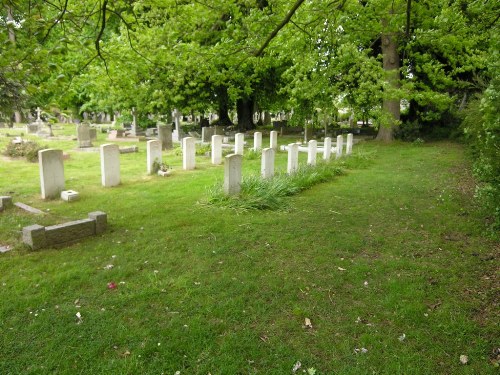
372, 58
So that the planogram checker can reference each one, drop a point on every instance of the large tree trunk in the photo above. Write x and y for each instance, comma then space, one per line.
223, 106
244, 108
391, 103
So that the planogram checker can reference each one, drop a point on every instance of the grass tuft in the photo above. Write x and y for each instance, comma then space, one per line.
268, 194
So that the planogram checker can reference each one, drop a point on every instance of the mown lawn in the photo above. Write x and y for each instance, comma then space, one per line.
389, 262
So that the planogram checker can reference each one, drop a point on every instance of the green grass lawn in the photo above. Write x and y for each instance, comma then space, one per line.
389, 257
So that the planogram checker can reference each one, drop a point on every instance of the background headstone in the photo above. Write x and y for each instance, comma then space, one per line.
239, 142
267, 163
216, 149
232, 174
312, 150
327, 148
348, 145
273, 140
153, 153
293, 158
340, 145
257, 141
51, 166
165, 136
110, 165
83, 135
188, 153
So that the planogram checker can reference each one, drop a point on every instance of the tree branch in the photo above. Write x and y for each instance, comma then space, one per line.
275, 32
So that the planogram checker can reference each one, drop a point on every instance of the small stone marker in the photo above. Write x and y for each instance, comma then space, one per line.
232, 174
312, 151
348, 145
273, 140
216, 149
239, 141
128, 149
110, 165
327, 148
188, 153
83, 135
340, 145
153, 153
293, 158
257, 141
5, 202
165, 136
51, 166
267, 163
69, 195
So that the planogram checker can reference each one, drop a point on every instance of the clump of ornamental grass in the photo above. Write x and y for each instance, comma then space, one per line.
269, 194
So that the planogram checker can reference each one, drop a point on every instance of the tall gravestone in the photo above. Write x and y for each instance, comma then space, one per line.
340, 146
273, 140
348, 145
83, 135
216, 149
153, 154
165, 136
239, 141
206, 133
293, 158
267, 163
188, 153
110, 165
232, 174
51, 166
176, 135
257, 141
312, 150
133, 129
327, 148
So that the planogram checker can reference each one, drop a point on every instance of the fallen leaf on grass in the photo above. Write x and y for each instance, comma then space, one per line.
112, 285
402, 337
307, 323
464, 359
78, 318
341, 269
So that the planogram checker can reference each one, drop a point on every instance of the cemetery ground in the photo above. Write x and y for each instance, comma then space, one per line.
389, 263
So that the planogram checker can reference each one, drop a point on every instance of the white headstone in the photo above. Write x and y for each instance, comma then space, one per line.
232, 174
239, 141
188, 153
327, 148
267, 163
273, 140
153, 153
165, 136
51, 166
257, 141
340, 145
293, 158
312, 150
216, 149
348, 145
110, 165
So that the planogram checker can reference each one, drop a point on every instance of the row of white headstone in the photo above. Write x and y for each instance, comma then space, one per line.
233, 162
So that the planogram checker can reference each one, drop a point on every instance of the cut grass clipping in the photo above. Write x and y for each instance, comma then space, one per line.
268, 194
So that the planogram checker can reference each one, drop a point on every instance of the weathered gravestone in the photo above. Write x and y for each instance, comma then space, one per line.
51, 166
239, 141
257, 141
83, 135
293, 158
327, 148
110, 165
216, 149
165, 136
267, 163
153, 154
273, 140
348, 145
312, 150
340, 145
188, 153
232, 174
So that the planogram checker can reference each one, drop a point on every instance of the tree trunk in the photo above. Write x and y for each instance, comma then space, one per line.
223, 106
244, 107
391, 103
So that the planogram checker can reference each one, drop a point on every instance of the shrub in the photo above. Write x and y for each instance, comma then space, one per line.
28, 150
